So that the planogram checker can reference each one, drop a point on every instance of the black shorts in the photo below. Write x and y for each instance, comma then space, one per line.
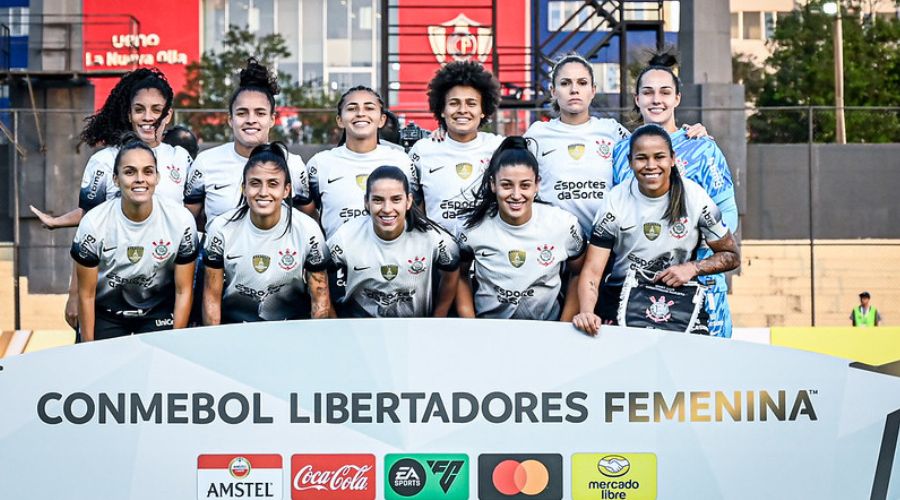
108, 325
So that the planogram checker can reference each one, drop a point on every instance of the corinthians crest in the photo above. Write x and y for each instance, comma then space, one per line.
460, 39
658, 312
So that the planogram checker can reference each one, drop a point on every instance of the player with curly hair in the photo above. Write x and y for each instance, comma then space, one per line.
141, 102
462, 96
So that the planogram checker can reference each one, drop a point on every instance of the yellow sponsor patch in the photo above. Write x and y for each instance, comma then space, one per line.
601, 476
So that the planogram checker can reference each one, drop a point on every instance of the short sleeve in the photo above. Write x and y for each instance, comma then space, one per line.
711, 223
622, 132
184, 162
575, 244
416, 158
195, 187
621, 168
446, 251
317, 255
605, 229
414, 183
312, 169
299, 180
86, 246
95, 182
189, 246
214, 252
336, 249
462, 240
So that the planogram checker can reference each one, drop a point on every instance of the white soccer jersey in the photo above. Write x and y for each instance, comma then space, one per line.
449, 171
390, 279
216, 175
576, 163
97, 186
264, 279
338, 178
632, 226
517, 267
136, 260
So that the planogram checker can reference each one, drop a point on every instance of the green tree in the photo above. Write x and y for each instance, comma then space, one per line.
803, 75
747, 72
212, 80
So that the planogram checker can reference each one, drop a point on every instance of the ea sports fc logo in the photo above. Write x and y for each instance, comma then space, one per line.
426, 476
523, 476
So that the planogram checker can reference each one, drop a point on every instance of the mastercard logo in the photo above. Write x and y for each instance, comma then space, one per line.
528, 477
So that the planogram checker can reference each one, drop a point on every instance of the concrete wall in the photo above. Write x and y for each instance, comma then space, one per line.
854, 191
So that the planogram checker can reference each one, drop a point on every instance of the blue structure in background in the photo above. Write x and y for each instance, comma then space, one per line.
13, 44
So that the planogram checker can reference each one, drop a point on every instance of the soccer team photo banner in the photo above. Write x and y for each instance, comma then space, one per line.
442, 409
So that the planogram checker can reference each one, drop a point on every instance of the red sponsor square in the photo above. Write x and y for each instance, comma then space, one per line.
337, 477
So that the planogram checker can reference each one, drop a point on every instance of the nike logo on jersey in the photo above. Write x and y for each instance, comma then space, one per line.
629, 228
219, 186
356, 268
232, 257
335, 179
547, 153
110, 249
433, 170
486, 253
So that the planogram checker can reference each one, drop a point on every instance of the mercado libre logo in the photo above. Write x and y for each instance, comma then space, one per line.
239, 476
520, 476
614, 475
426, 476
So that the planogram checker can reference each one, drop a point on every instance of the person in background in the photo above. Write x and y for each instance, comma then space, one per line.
865, 315
180, 135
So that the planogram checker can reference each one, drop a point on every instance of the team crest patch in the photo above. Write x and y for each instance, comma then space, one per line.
287, 259
160, 249
361, 181
545, 255
135, 254
261, 263
417, 265
652, 230
576, 151
464, 170
517, 257
174, 174
389, 272
604, 148
679, 229
658, 312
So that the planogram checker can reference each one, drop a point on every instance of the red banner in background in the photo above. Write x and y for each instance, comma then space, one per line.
451, 30
121, 35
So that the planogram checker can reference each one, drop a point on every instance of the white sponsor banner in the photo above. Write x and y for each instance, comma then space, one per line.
693, 417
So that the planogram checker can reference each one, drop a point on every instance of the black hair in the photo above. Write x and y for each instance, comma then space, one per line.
180, 135
391, 129
513, 150
107, 125
129, 141
676, 208
415, 218
463, 74
666, 60
275, 152
340, 106
256, 78
566, 59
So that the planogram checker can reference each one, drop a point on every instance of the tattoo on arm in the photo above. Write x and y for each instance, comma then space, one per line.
593, 288
727, 257
318, 291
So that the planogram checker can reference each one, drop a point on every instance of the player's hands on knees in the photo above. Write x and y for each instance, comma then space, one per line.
587, 322
676, 276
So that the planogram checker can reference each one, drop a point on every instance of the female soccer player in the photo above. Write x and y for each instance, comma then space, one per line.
462, 97
389, 256
518, 246
337, 177
135, 254
652, 222
265, 261
656, 95
140, 102
214, 185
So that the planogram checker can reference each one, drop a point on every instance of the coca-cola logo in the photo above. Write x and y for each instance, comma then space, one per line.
333, 477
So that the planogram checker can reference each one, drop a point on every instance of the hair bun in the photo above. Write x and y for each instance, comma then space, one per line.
258, 76
667, 58
128, 138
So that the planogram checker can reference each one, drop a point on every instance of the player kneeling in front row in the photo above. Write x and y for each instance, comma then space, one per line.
653, 222
265, 260
134, 254
518, 245
388, 257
